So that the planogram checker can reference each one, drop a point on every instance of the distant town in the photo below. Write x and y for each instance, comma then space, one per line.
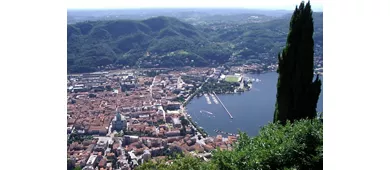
121, 118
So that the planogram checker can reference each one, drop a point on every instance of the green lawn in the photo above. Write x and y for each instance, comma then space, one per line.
231, 78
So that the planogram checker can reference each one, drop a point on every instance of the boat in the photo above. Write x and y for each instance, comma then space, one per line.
201, 111
225, 133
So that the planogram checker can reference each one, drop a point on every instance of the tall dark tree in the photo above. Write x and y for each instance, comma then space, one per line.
297, 94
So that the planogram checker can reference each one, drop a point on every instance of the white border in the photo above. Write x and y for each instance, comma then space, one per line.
33, 98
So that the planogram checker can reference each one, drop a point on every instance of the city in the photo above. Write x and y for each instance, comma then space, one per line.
135, 117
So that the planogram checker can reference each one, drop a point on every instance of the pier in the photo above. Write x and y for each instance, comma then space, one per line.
207, 98
231, 117
214, 99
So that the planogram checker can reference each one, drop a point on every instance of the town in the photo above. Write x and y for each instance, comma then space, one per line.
119, 119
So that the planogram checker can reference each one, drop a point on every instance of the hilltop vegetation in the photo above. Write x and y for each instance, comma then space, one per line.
100, 43
170, 42
297, 95
292, 146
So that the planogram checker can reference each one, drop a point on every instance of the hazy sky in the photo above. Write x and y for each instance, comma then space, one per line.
260, 4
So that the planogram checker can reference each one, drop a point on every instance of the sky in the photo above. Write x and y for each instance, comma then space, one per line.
250, 4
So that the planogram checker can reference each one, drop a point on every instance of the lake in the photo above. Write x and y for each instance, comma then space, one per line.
250, 110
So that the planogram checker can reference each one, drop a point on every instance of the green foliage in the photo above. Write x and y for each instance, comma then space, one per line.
79, 138
297, 94
232, 79
219, 87
70, 164
77, 168
125, 42
96, 44
295, 145
259, 41
179, 99
184, 121
187, 162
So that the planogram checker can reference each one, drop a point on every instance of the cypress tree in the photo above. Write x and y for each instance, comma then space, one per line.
297, 94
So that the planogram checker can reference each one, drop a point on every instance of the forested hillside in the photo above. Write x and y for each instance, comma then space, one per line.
169, 42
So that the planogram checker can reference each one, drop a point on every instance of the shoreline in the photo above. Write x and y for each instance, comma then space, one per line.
189, 99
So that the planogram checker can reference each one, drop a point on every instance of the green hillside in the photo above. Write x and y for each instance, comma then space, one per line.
95, 44
100, 43
255, 41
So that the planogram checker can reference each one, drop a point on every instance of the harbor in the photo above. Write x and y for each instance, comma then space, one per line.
207, 98
251, 109
214, 99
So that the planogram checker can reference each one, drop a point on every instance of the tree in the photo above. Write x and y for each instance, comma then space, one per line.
70, 164
297, 94
180, 162
295, 145
184, 122
77, 168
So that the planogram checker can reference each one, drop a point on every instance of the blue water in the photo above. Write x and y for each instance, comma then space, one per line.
250, 110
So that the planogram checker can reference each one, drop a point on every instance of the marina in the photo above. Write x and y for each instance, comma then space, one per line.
214, 99
207, 98
251, 109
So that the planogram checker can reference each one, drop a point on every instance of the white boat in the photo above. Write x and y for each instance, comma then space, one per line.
205, 112
207, 98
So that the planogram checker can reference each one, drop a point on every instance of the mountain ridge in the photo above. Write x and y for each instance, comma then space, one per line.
170, 42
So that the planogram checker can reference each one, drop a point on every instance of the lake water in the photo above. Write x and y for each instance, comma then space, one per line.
250, 110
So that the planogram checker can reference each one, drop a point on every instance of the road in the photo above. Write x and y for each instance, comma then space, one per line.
200, 87
179, 83
182, 109
151, 87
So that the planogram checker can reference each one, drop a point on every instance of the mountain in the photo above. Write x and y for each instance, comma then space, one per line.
264, 39
170, 42
99, 43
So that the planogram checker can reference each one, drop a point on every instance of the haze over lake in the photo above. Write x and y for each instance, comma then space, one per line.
250, 110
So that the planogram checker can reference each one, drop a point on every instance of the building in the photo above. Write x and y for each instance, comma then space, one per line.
173, 133
92, 161
146, 155
176, 122
119, 122
173, 105
102, 144
130, 139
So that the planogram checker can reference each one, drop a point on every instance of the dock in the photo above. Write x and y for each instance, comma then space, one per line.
207, 98
214, 99
231, 117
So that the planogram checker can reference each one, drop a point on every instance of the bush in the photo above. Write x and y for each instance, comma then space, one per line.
293, 146
297, 145
186, 162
